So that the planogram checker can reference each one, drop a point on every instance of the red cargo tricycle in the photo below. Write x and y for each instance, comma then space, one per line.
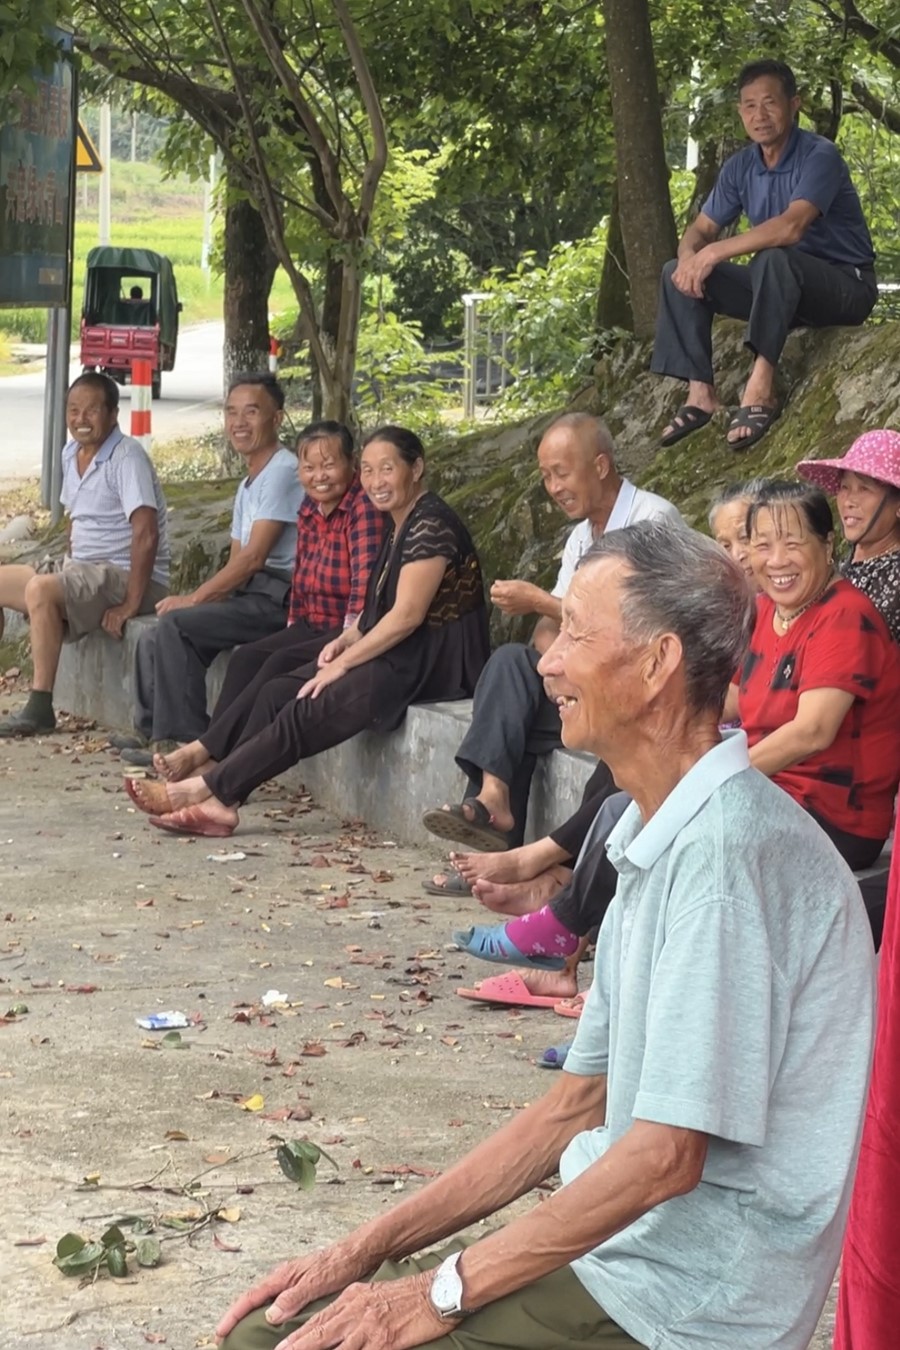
130, 313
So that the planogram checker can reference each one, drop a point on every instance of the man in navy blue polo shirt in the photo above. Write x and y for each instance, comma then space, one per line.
812, 263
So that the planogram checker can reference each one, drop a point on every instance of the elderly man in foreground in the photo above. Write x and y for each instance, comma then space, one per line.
706, 1123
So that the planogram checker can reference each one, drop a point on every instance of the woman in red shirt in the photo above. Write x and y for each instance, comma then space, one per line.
818, 690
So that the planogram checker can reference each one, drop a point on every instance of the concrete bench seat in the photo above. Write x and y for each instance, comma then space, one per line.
385, 780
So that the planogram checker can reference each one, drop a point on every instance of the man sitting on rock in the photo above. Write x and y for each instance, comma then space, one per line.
117, 562
706, 1123
244, 601
812, 264
512, 718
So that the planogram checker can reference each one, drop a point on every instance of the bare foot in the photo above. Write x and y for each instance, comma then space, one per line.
160, 799
501, 867
187, 761
561, 984
521, 897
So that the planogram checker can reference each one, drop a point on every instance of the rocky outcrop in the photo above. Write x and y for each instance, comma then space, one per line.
836, 383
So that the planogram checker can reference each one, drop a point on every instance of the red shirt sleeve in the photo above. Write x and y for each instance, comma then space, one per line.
366, 531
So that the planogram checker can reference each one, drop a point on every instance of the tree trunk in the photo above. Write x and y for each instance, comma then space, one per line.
329, 325
648, 226
613, 298
249, 271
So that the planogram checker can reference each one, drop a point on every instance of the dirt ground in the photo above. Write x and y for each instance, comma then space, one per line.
371, 1055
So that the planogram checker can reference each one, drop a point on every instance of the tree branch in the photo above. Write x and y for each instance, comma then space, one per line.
886, 113
291, 85
378, 158
269, 207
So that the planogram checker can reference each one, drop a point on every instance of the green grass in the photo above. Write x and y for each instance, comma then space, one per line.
148, 211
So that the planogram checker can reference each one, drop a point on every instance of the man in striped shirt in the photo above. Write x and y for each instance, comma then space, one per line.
117, 562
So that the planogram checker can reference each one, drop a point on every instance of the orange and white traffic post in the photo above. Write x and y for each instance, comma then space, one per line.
141, 395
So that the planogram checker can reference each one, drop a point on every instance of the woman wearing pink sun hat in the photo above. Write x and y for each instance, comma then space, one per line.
866, 486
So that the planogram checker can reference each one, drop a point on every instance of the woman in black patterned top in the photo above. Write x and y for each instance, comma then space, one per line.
422, 635
866, 488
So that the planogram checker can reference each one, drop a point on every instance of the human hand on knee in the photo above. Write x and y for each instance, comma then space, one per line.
393, 1315
291, 1286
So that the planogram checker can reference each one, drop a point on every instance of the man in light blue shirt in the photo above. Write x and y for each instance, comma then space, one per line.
707, 1120
245, 600
812, 264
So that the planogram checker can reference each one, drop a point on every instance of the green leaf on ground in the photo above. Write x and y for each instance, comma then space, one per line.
148, 1251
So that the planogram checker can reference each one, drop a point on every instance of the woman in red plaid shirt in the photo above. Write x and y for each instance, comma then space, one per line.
339, 534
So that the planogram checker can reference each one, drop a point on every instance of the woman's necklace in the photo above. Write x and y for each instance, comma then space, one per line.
786, 619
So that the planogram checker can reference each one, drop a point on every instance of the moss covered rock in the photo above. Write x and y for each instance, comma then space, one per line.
835, 383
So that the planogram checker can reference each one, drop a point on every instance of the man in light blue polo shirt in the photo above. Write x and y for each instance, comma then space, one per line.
245, 600
707, 1120
812, 265
117, 562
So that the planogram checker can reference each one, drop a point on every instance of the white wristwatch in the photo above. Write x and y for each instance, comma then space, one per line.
446, 1291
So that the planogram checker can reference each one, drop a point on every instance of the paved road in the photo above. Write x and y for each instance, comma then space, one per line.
190, 404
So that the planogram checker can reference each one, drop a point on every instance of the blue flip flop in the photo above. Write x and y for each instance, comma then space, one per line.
490, 943
554, 1057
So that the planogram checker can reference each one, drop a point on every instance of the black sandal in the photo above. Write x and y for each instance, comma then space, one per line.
758, 417
691, 419
451, 822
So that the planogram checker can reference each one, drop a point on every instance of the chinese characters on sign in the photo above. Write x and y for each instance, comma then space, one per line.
36, 156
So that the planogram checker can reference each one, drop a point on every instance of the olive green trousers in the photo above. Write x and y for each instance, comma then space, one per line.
554, 1313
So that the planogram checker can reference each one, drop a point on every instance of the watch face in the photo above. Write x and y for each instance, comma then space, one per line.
446, 1288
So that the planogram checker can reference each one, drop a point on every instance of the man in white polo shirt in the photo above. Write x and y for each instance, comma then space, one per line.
706, 1123
512, 719
117, 563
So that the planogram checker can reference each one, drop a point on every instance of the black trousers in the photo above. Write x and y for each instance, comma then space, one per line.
174, 655
282, 729
513, 721
582, 902
250, 669
573, 832
779, 289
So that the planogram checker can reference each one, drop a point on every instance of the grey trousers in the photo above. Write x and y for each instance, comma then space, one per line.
779, 289
555, 1311
174, 656
513, 721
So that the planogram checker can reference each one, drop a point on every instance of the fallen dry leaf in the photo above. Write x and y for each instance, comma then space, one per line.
224, 1246
176, 1135
313, 1050
217, 1158
229, 1215
154, 1338
29, 1242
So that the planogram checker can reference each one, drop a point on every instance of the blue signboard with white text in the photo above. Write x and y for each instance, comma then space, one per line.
37, 148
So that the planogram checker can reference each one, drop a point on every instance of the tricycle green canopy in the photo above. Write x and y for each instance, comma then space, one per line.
106, 266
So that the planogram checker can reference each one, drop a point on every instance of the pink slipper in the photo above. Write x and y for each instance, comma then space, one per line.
510, 990
570, 1007
192, 820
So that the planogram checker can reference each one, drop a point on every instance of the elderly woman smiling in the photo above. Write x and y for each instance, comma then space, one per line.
817, 692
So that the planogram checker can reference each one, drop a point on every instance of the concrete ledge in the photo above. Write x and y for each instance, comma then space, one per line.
96, 676
385, 780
